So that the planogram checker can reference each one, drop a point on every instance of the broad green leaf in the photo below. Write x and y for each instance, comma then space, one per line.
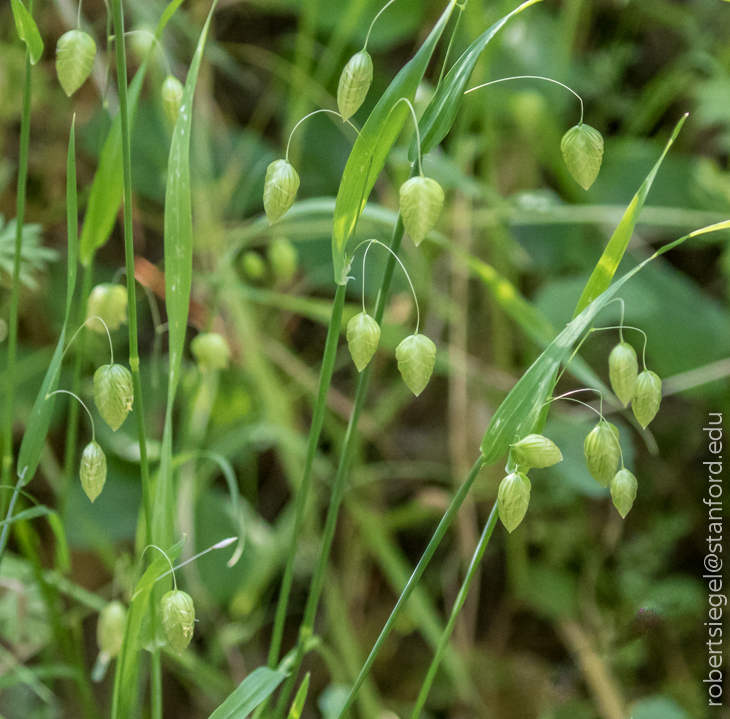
614, 252
519, 412
106, 190
126, 675
27, 30
252, 691
178, 277
373, 145
441, 111
40, 416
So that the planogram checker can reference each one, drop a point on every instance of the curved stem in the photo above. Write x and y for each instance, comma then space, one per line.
65, 391
218, 545
78, 17
172, 569
627, 327
531, 77
418, 132
315, 112
458, 604
370, 29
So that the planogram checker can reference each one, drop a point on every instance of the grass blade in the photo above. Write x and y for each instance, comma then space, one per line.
521, 409
27, 30
252, 691
373, 145
40, 416
614, 252
441, 111
178, 278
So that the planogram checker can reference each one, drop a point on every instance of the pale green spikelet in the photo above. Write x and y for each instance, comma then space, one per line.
109, 302
416, 357
647, 397
623, 491
582, 148
602, 452
211, 351
113, 393
513, 499
93, 470
421, 200
536, 451
363, 335
172, 96
623, 369
75, 52
355, 81
178, 619
280, 189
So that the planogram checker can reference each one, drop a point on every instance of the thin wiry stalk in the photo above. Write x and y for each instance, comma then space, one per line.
317, 582
458, 604
320, 405
15, 291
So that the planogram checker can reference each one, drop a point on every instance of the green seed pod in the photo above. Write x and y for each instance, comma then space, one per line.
113, 393
75, 54
93, 470
253, 266
582, 148
110, 628
647, 397
603, 452
178, 619
536, 451
109, 302
211, 351
363, 335
416, 357
513, 498
355, 81
283, 259
623, 370
623, 491
141, 41
421, 200
280, 189
172, 95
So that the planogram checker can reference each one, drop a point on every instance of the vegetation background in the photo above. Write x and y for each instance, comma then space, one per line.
577, 611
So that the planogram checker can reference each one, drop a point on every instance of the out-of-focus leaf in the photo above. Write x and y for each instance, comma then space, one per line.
33, 256
374, 143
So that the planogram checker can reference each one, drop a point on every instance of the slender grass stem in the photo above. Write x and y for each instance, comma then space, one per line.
317, 583
121, 59
458, 604
438, 535
320, 405
15, 290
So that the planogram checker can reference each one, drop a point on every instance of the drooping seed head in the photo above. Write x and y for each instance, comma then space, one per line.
109, 302
253, 266
647, 397
602, 452
211, 351
623, 369
536, 451
416, 357
421, 200
355, 81
93, 470
363, 335
283, 259
623, 491
513, 499
172, 96
110, 628
280, 189
178, 619
582, 148
75, 54
113, 393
